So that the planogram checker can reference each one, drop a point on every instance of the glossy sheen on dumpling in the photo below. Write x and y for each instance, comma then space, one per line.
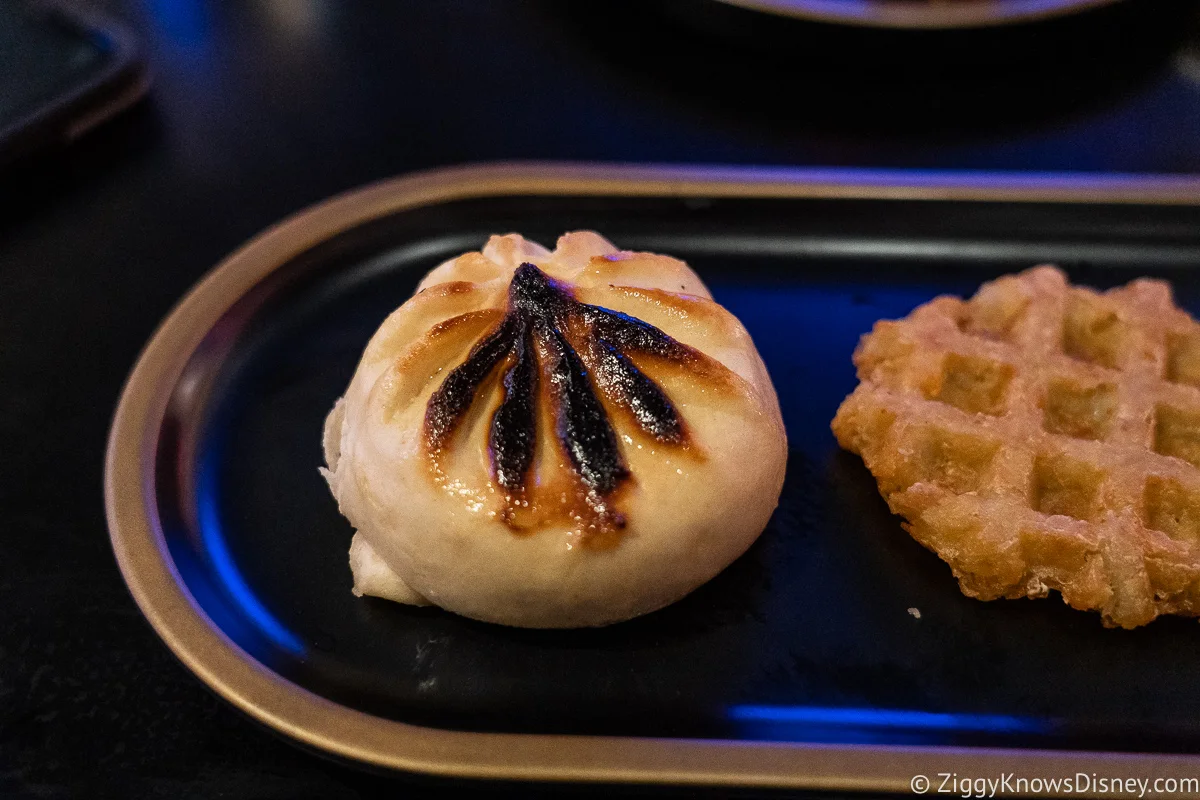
554, 439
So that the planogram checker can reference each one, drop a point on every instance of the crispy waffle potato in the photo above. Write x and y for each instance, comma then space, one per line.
1042, 436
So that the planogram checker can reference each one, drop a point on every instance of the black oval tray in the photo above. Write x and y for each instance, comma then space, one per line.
837, 652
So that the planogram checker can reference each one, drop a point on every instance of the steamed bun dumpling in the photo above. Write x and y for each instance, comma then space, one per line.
554, 438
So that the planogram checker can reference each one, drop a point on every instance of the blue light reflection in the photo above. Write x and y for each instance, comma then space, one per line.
212, 538
876, 718
185, 22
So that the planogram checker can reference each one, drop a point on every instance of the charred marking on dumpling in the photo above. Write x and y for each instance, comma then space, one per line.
536, 341
630, 387
455, 395
630, 333
581, 424
514, 426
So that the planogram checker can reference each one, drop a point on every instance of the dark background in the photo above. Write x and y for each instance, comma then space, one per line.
262, 108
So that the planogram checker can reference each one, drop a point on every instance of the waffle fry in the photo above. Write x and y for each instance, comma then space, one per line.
1042, 436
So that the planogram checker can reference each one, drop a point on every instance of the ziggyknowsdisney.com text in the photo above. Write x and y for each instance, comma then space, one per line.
951, 783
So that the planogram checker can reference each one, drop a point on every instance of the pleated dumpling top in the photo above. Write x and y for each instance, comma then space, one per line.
554, 438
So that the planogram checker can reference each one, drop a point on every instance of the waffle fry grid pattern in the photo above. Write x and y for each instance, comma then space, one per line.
1042, 436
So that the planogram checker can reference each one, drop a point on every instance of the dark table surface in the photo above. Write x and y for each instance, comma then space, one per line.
259, 109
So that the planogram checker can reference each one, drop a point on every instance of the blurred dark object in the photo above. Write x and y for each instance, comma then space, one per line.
928, 14
62, 73
877, 81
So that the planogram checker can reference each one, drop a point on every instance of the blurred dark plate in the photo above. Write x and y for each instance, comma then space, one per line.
791, 79
800, 665
925, 14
